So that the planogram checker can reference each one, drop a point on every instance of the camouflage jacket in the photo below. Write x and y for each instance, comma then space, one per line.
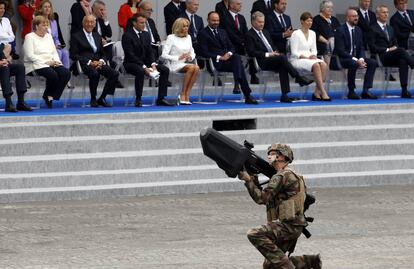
283, 185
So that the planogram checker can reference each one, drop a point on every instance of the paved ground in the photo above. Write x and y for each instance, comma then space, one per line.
370, 227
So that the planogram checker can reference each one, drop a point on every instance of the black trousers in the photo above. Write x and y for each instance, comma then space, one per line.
352, 67
401, 59
281, 65
139, 73
94, 75
18, 71
56, 80
235, 65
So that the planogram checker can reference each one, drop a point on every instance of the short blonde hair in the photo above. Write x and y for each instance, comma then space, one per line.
179, 25
39, 19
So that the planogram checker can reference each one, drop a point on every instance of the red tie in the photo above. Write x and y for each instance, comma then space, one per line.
236, 22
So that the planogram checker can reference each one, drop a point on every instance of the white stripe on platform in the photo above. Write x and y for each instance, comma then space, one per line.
186, 118
193, 182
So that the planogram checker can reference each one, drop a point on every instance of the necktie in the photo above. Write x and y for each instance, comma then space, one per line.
265, 42
236, 22
386, 32
353, 42
194, 27
282, 22
366, 16
407, 18
150, 32
140, 37
216, 35
92, 42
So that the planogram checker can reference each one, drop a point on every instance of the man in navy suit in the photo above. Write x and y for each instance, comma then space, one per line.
382, 41
279, 25
196, 22
260, 45
140, 60
171, 12
264, 6
86, 47
402, 22
215, 44
350, 50
146, 10
366, 18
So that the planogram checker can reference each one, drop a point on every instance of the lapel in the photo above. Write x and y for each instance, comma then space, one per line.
86, 41
217, 39
276, 20
97, 39
403, 18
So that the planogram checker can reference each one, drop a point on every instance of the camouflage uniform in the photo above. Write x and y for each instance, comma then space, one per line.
281, 232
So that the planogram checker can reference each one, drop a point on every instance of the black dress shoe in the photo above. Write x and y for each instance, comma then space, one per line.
353, 96
249, 100
314, 98
392, 78
405, 94
285, 99
138, 103
119, 85
47, 101
236, 90
94, 103
22, 106
303, 81
163, 102
10, 108
254, 79
102, 102
368, 95
169, 84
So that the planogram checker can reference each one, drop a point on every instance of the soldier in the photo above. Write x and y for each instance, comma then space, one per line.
284, 199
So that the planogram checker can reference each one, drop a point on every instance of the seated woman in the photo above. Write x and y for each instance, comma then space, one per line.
178, 51
126, 11
6, 30
45, 9
26, 9
40, 54
303, 56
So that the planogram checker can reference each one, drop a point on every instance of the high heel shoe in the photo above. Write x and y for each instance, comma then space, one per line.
314, 98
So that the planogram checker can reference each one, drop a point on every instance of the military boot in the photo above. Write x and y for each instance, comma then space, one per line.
313, 261
285, 264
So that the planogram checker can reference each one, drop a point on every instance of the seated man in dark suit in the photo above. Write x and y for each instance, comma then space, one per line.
146, 10
86, 47
279, 25
171, 12
8, 69
350, 50
196, 22
215, 44
382, 41
140, 61
402, 23
260, 45
264, 6
366, 18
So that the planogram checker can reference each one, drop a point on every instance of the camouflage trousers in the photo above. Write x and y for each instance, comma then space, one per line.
273, 240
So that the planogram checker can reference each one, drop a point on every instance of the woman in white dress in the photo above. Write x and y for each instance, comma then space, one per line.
179, 53
303, 56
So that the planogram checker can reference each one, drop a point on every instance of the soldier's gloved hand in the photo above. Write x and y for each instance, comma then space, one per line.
243, 175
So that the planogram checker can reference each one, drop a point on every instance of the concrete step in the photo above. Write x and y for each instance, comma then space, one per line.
366, 178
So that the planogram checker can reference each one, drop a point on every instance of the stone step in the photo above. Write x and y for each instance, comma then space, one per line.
89, 127
365, 178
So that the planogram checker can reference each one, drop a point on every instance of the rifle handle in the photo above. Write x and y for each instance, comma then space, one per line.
309, 219
306, 233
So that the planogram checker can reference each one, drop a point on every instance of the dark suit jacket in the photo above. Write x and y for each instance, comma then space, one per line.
402, 28
365, 26
210, 46
60, 36
199, 25
106, 29
77, 15
276, 30
343, 43
236, 35
221, 9
137, 51
171, 13
154, 30
81, 50
255, 46
323, 28
377, 39
260, 5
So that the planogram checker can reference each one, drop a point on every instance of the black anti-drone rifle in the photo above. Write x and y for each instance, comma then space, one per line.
233, 157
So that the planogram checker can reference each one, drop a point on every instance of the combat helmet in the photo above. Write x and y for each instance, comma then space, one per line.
282, 149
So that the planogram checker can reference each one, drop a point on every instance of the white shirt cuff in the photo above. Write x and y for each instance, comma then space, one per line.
355, 59
218, 58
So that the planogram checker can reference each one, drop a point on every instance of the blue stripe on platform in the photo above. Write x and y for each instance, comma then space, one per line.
229, 102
